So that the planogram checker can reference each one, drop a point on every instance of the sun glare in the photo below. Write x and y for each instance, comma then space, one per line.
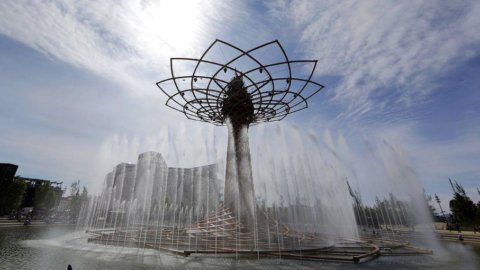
173, 23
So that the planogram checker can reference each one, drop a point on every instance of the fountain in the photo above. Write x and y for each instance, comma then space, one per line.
289, 205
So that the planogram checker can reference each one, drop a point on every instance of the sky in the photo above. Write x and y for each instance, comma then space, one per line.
78, 93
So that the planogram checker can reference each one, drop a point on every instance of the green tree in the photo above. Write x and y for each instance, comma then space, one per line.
463, 209
75, 188
45, 196
431, 208
11, 194
477, 216
84, 195
78, 199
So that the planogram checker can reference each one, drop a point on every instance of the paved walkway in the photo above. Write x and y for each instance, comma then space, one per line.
468, 236
5, 223
445, 235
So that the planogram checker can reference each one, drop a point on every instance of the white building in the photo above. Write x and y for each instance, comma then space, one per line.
150, 191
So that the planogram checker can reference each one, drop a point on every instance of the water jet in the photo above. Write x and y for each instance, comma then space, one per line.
183, 211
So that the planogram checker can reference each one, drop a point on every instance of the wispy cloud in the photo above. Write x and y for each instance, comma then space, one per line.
387, 53
67, 123
435, 160
127, 41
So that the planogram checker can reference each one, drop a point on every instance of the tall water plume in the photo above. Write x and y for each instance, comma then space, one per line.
300, 181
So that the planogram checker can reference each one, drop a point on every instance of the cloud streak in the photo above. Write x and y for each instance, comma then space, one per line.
385, 57
125, 41
383, 49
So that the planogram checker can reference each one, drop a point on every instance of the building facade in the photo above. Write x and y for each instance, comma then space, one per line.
151, 192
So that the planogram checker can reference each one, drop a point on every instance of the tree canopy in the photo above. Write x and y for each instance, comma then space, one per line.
464, 210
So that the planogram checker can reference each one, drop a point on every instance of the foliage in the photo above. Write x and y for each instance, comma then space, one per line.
442, 217
78, 199
11, 194
431, 209
463, 209
75, 188
46, 196
391, 211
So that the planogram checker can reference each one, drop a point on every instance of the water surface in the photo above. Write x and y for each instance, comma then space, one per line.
52, 247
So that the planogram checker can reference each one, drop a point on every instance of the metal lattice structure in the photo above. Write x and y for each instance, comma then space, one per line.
221, 234
274, 88
245, 88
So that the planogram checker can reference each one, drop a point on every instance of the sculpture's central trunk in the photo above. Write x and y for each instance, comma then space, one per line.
239, 193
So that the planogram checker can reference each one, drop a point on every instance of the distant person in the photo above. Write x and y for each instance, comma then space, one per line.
69, 267
460, 237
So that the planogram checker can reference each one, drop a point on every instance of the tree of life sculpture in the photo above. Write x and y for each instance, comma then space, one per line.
246, 88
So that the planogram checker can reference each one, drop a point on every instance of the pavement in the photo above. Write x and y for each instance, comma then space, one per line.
6, 223
454, 236
445, 235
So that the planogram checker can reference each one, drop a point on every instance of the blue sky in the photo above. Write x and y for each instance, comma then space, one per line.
77, 77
